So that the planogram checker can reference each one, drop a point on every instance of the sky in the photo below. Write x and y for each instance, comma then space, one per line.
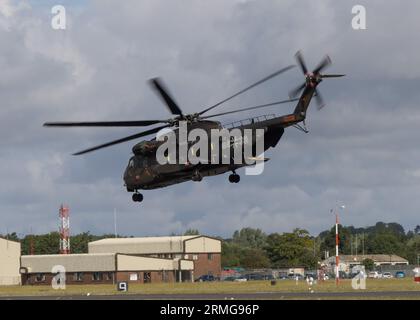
362, 149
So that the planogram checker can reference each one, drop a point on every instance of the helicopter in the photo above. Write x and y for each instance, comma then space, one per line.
144, 172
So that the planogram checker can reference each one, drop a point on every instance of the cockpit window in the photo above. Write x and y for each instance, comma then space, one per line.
131, 163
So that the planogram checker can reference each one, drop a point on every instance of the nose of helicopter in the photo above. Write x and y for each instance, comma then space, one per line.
137, 177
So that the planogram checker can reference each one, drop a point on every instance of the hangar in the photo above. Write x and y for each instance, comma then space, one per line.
137, 260
203, 251
104, 268
9, 262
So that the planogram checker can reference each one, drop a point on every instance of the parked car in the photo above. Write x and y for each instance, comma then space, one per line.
230, 278
400, 274
241, 279
268, 277
258, 276
254, 276
293, 276
205, 278
374, 275
311, 275
282, 276
387, 275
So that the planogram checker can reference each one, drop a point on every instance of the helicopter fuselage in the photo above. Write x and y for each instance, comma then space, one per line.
145, 172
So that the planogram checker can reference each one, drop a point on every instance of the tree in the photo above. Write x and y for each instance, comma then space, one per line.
385, 243
291, 249
11, 236
344, 235
231, 254
254, 258
369, 264
249, 237
234, 255
79, 242
191, 232
417, 229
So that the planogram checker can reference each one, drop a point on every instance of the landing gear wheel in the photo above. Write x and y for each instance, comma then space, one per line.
234, 178
197, 176
137, 197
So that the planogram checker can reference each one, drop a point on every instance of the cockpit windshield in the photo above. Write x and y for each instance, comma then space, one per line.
131, 163
139, 162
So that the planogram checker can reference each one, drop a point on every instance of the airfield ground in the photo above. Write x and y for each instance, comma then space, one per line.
283, 289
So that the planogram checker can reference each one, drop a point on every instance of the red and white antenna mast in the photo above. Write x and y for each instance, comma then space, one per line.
64, 215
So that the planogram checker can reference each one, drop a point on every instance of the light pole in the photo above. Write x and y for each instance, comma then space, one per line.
337, 242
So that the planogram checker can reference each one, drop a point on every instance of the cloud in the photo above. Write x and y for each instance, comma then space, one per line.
360, 150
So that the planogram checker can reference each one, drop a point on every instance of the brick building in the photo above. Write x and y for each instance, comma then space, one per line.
203, 251
106, 268
136, 260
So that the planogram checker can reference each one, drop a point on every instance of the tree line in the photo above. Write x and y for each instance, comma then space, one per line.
253, 248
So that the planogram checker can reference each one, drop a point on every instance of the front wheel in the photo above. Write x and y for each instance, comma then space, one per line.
234, 178
137, 197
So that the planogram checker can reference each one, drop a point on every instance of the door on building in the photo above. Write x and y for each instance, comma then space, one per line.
186, 276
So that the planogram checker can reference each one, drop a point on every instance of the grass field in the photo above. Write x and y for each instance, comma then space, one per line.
214, 287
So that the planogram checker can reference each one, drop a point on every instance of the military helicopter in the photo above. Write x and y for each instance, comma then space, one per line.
144, 172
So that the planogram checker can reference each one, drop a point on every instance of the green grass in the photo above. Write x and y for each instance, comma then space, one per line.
212, 287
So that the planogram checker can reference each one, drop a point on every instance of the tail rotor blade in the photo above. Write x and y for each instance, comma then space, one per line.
301, 62
319, 100
322, 65
293, 93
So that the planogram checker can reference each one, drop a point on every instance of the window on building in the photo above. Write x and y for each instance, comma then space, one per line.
97, 276
40, 277
195, 256
147, 277
210, 256
165, 277
78, 276
133, 277
108, 276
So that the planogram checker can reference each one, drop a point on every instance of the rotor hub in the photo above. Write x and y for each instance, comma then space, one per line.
313, 79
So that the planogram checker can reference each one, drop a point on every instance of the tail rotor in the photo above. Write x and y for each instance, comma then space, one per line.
312, 79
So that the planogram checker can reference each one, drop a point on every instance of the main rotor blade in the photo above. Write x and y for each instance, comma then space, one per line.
293, 93
158, 85
319, 99
250, 108
132, 137
322, 65
249, 87
333, 75
301, 61
139, 123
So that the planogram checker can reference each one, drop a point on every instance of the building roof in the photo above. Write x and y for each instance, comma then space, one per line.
147, 240
377, 258
5, 243
156, 245
101, 262
71, 262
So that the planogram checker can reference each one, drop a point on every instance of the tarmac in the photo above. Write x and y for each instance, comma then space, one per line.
237, 296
